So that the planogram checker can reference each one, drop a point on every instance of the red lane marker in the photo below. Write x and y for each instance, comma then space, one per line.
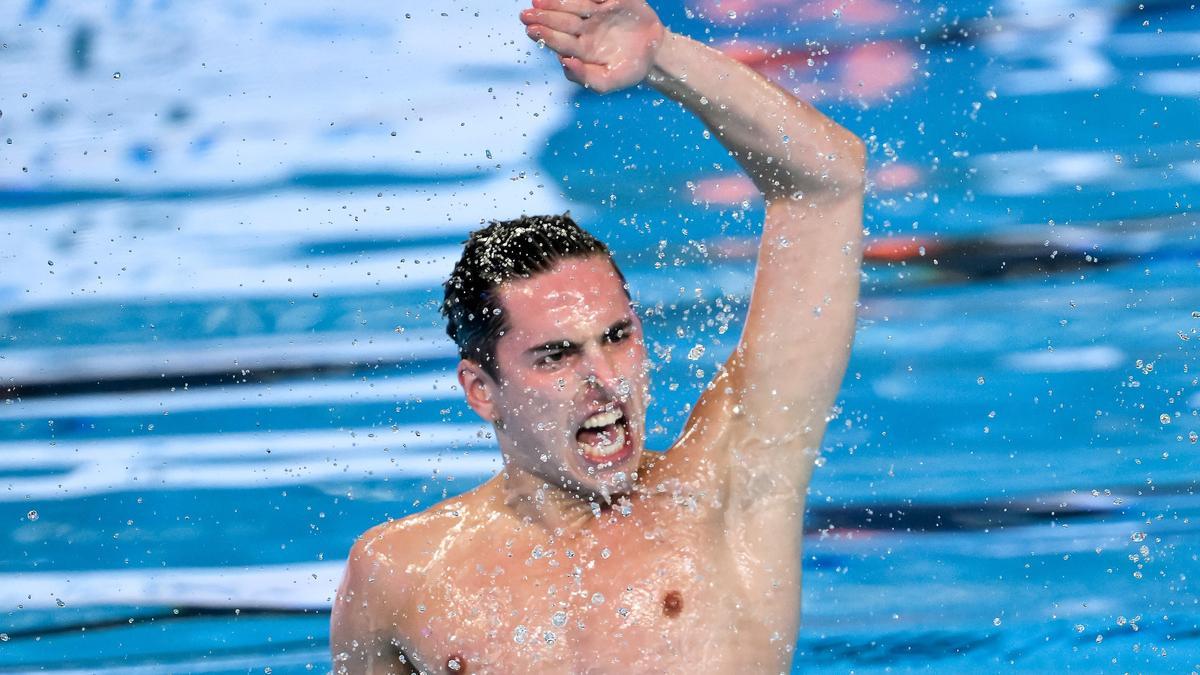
873, 70
732, 189
862, 12
869, 72
738, 12
896, 250
897, 176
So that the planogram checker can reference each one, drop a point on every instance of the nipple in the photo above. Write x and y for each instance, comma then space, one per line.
456, 665
672, 604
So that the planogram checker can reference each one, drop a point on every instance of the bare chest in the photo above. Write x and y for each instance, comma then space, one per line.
626, 597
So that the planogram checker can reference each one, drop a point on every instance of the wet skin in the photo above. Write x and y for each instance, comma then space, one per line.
573, 347
657, 590
639, 579
601, 557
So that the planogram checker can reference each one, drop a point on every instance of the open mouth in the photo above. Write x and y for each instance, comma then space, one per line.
605, 438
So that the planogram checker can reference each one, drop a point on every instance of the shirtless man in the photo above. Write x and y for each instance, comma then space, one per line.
585, 555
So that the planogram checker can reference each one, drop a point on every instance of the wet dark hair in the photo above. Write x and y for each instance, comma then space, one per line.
492, 255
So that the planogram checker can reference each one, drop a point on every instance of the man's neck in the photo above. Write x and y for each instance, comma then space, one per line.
537, 501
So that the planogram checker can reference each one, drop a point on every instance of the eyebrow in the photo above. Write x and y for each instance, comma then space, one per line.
567, 345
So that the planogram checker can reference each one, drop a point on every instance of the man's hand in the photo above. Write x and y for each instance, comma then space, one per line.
604, 45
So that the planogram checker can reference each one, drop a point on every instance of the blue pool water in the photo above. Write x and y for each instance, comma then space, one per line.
222, 230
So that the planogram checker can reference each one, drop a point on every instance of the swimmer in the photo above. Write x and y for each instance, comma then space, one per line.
586, 554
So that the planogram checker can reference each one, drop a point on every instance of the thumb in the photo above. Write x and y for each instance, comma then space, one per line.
572, 68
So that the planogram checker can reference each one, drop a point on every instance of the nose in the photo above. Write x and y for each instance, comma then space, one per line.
598, 370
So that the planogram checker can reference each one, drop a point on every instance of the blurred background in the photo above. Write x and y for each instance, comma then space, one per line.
223, 228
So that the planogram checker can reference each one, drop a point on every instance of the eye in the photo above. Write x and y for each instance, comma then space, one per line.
550, 359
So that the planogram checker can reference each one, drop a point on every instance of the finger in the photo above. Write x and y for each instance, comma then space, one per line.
562, 43
592, 75
572, 69
580, 8
562, 22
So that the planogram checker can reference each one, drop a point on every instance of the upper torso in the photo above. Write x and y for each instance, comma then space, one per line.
669, 580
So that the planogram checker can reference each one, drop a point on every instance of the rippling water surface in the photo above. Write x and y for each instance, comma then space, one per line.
222, 227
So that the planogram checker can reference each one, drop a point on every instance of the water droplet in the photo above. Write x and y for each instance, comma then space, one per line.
1138, 536
549, 637
487, 153
991, 94
32, 515
980, 380
519, 634
695, 353
604, 553
1164, 418
117, 75
559, 619
732, 14
597, 598
996, 621
59, 602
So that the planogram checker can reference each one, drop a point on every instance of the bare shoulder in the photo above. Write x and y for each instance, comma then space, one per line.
713, 427
728, 454
385, 571
390, 559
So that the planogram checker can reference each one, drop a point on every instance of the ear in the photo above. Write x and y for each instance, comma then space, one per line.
479, 388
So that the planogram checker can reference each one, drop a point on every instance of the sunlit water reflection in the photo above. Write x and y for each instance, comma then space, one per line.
223, 360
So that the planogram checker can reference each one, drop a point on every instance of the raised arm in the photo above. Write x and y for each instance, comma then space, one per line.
781, 380
774, 395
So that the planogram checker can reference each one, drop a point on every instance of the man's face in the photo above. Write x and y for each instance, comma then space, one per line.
573, 377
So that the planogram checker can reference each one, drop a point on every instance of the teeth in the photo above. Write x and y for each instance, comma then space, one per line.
607, 449
602, 419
